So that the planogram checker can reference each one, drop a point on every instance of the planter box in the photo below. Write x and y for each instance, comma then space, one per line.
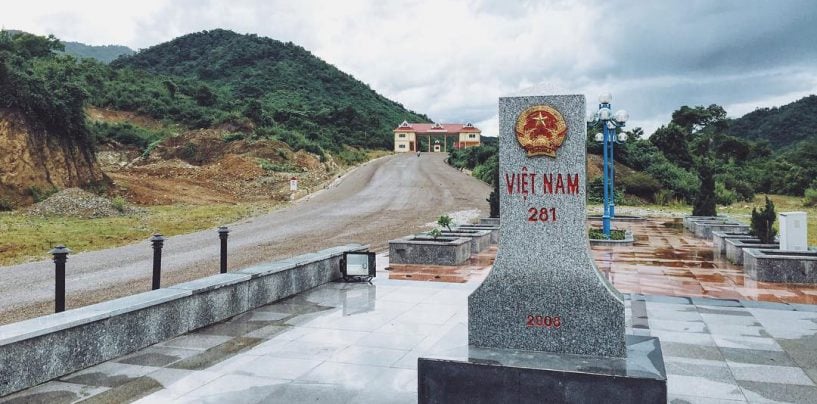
705, 229
428, 251
493, 229
628, 241
780, 266
492, 221
480, 239
734, 248
689, 220
719, 240
698, 228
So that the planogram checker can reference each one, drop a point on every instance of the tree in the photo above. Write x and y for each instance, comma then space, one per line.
171, 88
763, 222
704, 204
673, 141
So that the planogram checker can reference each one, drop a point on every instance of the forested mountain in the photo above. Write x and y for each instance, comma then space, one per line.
780, 126
282, 88
102, 53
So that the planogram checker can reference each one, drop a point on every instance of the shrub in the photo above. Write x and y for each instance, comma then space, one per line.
598, 234
763, 221
810, 198
639, 184
232, 137
704, 204
41, 194
6, 205
118, 203
445, 221
663, 197
724, 196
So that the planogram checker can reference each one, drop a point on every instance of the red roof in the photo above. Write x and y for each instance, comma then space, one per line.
437, 128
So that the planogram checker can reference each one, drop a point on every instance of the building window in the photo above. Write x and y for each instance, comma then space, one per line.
472, 136
402, 146
402, 135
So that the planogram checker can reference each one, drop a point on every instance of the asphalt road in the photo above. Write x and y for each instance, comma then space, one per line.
384, 199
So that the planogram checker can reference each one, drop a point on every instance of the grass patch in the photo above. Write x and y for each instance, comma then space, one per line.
28, 238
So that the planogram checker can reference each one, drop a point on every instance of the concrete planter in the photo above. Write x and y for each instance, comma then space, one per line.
429, 251
493, 221
780, 266
628, 241
480, 239
705, 230
493, 229
734, 248
719, 240
689, 220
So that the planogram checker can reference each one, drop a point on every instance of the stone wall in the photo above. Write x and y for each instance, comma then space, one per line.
44, 348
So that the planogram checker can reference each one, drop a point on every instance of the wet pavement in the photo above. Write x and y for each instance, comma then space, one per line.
359, 343
666, 260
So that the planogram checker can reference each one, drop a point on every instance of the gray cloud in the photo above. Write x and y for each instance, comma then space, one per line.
452, 59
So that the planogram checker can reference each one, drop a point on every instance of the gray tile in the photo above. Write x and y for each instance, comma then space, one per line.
723, 311
684, 337
195, 341
157, 356
684, 399
676, 325
676, 349
757, 392
234, 388
53, 392
268, 332
276, 368
311, 392
803, 350
698, 301
770, 374
368, 356
759, 357
351, 377
711, 370
677, 384
108, 374
759, 343
394, 341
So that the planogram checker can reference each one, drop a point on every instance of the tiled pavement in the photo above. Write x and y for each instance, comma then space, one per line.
359, 343
665, 260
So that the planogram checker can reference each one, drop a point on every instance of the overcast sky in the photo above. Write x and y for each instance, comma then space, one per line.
452, 59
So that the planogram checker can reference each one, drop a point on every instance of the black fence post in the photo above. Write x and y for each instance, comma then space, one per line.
60, 254
222, 234
158, 242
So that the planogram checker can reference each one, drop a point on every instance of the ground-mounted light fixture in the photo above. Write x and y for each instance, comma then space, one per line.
358, 266
609, 123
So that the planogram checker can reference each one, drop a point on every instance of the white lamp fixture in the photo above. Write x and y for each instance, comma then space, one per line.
622, 116
606, 98
622, 137
605, 114
599, 137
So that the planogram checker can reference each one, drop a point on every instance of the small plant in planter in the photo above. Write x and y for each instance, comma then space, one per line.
763, 221
445, 221
435, 233
598, 234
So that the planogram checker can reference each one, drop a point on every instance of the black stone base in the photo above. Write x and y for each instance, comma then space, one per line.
507, 376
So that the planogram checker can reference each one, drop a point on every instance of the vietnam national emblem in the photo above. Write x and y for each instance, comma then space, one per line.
541, 130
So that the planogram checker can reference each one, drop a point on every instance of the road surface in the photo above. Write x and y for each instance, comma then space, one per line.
384, 199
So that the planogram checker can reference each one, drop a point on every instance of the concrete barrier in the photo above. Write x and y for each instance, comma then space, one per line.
427, 251
480, 239
43, 348
493, 229
719, 240
734, 248
780, 266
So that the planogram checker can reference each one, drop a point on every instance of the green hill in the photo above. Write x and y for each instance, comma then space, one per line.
780, 126
103, 53
282, 88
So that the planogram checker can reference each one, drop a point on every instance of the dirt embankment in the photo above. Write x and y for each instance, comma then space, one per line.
33, 161
207, 166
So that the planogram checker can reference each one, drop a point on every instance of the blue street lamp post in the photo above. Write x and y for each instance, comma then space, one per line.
608, 138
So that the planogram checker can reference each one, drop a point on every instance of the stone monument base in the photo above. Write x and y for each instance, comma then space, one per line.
490, 375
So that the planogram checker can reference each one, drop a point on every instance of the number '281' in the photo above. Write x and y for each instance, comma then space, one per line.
542, 215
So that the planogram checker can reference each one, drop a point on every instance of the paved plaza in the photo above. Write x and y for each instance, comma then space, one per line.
359, 343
